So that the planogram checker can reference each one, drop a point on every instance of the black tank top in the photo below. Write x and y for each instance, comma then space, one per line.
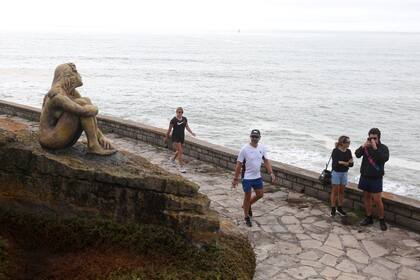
178, 128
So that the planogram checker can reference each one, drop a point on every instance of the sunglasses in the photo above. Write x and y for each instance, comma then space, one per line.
180, 112
255, 137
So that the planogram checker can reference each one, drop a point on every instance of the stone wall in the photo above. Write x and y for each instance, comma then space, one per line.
398, 209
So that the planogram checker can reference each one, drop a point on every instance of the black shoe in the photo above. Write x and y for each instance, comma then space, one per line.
341, 212
250, 211
382, 224
248, 221
367, 221
333, 211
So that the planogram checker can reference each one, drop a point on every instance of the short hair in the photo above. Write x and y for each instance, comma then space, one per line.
375, 131
179, 109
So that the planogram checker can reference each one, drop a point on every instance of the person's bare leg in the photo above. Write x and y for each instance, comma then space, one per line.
367, 198
247, 203
176, 146
377, 198
180, 152
333, 195
340, 195
258, 195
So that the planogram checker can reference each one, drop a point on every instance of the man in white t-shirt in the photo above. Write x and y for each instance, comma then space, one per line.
250, 158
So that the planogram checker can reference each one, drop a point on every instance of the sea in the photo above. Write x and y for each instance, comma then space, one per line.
301, 89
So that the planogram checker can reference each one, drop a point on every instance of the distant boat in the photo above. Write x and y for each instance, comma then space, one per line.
239, 31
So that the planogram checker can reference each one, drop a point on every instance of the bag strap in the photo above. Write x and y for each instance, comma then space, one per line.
328, 163
371, 160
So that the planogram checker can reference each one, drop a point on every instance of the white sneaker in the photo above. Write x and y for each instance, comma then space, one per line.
182, 170
172, 162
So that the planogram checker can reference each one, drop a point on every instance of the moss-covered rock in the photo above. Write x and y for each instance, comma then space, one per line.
165, 253
3, 258
68, 215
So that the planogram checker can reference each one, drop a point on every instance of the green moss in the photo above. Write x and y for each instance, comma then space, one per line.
228, 257
3, 258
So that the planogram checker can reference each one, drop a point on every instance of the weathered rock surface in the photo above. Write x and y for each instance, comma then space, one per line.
124, 187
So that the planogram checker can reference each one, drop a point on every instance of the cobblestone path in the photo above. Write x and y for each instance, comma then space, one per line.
294, 236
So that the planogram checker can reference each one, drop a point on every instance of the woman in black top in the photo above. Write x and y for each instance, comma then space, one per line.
341, 161
178, 123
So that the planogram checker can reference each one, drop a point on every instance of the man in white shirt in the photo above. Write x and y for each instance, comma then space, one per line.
250, 158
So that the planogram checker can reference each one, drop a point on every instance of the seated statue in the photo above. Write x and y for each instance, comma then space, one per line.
65, 115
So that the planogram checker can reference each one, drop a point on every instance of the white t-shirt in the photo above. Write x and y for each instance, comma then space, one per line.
253, 158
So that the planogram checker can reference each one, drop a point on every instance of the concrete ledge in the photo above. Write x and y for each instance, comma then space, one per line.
398, 209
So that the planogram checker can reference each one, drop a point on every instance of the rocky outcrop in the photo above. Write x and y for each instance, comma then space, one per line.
124, 187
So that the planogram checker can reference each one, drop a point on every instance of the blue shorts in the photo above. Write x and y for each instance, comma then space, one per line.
256, 184
372, 185
339, 178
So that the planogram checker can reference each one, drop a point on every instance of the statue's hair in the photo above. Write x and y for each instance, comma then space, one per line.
63, 75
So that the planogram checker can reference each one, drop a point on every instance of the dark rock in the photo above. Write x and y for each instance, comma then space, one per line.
124, 187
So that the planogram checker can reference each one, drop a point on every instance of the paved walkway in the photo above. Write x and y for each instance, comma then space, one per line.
293, 235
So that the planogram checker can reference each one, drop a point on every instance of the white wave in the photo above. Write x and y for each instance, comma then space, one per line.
403, 163
329, 142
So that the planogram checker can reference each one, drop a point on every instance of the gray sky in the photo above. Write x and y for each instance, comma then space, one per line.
209, 15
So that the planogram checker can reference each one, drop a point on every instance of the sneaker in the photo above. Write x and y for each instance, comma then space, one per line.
341, 212
382, 224
250, 211
172, 162
367, 221
182, 170
333, 211
248, 221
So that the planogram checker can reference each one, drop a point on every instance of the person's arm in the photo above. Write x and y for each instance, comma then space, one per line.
269, 168
238, 168
68, 105
359, 152
350, 162
335, 159
380, 154
189, 129
168, 132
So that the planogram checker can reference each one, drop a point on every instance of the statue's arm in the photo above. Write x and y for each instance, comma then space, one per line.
76, 94
68, 105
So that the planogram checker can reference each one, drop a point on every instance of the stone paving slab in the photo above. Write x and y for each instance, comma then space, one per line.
294, 236
298, 240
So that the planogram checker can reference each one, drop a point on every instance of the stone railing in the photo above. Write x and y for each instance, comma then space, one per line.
398, 209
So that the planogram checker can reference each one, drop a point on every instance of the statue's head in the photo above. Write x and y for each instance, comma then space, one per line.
66, 76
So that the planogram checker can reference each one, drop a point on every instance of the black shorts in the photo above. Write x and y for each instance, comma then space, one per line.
178, 140
372, 185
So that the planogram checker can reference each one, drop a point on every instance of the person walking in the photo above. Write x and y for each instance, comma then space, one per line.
374, 154
178, 124
342, 160
250, 158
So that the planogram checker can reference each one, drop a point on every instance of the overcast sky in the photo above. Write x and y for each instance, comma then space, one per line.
209, 15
